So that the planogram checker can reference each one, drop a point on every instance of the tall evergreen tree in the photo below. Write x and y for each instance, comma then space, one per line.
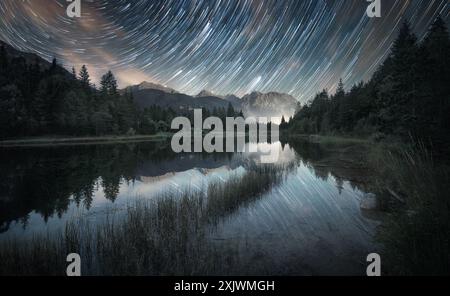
398, 89
340, 89
74, 73
109, 84
434, 77
84, 76
53, 67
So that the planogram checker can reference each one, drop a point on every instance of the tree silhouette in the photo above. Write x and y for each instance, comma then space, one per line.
109, 84
407, 96
84, 76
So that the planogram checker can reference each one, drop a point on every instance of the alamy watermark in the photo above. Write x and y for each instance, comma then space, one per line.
74, 267
228, 137
374, 268
74, 8
374, 8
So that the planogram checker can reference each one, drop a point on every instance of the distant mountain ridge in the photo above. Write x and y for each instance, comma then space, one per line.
146, 97
207, 93
256, 104
270, 104
150, 85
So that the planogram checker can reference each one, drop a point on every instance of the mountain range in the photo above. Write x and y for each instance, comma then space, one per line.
255, 104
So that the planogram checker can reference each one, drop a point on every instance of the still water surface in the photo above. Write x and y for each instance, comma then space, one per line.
311, 223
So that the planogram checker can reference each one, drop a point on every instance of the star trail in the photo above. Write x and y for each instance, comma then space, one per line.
225, 46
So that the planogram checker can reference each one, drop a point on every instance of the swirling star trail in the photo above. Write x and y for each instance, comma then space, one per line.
225, 46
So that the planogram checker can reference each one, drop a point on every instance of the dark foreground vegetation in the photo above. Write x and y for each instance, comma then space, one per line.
416, 233
406, 102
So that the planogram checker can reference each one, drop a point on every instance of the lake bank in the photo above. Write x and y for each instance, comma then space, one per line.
62, 140
51, 141
323, 139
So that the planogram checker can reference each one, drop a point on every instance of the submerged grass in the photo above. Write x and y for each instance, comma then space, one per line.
167, 235
416, 235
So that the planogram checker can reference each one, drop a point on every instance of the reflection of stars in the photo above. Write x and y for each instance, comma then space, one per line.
234, 46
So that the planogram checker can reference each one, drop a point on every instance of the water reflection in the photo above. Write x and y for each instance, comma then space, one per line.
315, 207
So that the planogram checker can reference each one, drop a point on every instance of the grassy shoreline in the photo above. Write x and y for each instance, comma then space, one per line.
61, 140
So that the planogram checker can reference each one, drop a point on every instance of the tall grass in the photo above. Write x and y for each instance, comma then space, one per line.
166, 235
416, 235
241, 190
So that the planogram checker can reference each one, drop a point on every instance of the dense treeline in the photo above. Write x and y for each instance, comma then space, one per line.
408, 96
36, 99
39, 99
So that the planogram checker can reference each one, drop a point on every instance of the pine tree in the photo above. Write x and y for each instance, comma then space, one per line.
109, 84
398, 89
74, 73
435, 53
437, 40
54, 66
434, 76
404, 57
84, 76
340, 92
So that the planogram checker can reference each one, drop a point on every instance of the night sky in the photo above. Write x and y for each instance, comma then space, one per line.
225, 46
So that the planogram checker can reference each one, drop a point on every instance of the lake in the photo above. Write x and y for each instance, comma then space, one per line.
310, 222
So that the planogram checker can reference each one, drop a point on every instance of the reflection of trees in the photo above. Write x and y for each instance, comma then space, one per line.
44, 179
47, 180
111, 186
344, 162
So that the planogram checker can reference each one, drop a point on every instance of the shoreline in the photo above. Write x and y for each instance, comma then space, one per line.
92, 140
59, 141
323, 139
